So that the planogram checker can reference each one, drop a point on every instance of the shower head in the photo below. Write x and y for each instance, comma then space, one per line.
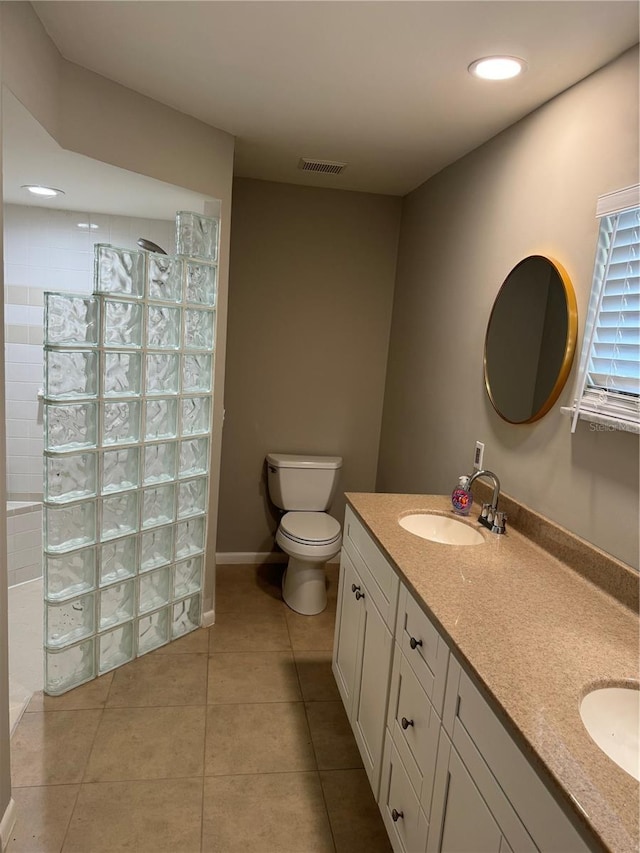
148, 246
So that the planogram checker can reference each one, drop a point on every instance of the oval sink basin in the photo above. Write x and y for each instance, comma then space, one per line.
611, 715
441, 528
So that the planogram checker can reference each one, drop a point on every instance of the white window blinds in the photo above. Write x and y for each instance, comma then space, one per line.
608, 387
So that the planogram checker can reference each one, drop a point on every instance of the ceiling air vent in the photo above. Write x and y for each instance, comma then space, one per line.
329, 167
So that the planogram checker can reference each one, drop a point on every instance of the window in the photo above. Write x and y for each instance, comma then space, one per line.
608, 387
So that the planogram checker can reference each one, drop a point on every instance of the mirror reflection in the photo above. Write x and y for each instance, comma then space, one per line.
530, 340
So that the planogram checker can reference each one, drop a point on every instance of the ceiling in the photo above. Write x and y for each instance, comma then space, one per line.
382, 85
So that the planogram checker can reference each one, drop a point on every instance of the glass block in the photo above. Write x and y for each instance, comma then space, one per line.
196, 415
69, 527
70, 621
116, 604
153, 631
70, 575
158, 506
161, 419
118, 271
69, 668
163, 327
120, 469
115, 647
70, 426
119, 515
121, 323
164, 277
198, 329
162, 373
121, 374
153, 590
70, 374
197, 236
70, 320
189, 537
69, 477
196, 373
121, 422
159, 463
156, 548
192, 497
194, 457
187, 577
186, 616
201, 283
118, 560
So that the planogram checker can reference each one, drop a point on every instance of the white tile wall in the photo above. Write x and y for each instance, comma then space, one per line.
24, 545
45, 250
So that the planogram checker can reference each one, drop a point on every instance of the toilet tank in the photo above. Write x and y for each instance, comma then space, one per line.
302, 482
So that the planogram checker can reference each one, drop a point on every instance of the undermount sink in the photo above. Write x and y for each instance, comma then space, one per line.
441, 528
611, 715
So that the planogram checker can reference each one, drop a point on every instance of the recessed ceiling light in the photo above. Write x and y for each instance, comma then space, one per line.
497, 67
44, 192
87, 225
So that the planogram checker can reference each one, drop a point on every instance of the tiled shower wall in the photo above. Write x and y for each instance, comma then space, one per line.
46, 250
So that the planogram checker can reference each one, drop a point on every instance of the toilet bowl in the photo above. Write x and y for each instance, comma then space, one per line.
304, 487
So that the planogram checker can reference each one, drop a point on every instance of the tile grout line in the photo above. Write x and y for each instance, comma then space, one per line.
204, 744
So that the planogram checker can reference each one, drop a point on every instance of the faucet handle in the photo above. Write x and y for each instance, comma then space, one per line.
485, 510
499, 520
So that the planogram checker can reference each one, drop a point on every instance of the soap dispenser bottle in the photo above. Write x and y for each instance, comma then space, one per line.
461, 497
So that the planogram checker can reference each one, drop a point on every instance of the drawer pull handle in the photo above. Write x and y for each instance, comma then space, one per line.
396, 815
359, 595
413, 642
406, 723
354, 587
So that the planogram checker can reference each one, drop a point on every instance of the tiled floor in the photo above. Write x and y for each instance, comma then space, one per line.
233, 738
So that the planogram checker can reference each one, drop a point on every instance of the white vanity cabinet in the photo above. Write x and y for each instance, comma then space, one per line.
446, 773
363, 643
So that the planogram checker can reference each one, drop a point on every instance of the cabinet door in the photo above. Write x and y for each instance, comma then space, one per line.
372, 688
460, 819
347, 634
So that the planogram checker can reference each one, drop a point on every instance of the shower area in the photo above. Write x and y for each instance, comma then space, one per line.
109, 364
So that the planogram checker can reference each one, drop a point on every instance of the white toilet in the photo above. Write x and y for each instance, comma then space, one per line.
304, 487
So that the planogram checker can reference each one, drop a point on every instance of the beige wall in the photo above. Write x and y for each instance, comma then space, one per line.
311, 289
530, 190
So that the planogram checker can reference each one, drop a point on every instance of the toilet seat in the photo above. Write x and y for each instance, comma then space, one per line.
310, 528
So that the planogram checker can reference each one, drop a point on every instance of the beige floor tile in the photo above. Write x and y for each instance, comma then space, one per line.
164, 680
355, 818
242, 589
43, 815
256, 677
148, 817
197, 642
52, 749
269, 813
333, 741
266, 738
91, 695
147, 743
312, 633
317, 681
266, 631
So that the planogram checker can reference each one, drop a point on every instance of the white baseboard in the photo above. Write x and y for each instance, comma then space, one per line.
233, 558
7, 823
208, 618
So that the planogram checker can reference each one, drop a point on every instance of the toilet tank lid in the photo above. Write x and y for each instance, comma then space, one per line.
292, 460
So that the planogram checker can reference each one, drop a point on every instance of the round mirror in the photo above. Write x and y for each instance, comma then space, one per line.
531, 339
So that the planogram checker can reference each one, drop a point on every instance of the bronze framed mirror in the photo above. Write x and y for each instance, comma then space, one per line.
530, 340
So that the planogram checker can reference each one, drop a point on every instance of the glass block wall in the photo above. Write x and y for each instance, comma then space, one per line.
128, 384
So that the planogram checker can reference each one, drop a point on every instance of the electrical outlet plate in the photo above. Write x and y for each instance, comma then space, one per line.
478, 456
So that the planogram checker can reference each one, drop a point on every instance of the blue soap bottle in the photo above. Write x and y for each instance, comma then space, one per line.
461, 497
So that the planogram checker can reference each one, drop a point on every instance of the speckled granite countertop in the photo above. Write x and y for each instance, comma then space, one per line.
537, 636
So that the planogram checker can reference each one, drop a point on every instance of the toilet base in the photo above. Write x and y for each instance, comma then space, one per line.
304, 587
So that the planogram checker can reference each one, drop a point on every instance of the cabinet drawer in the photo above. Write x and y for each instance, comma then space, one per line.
408, 831
372, 565
415, 727
423, 647
487, 748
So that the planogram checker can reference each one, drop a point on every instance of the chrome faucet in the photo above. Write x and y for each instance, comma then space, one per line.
490, 517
